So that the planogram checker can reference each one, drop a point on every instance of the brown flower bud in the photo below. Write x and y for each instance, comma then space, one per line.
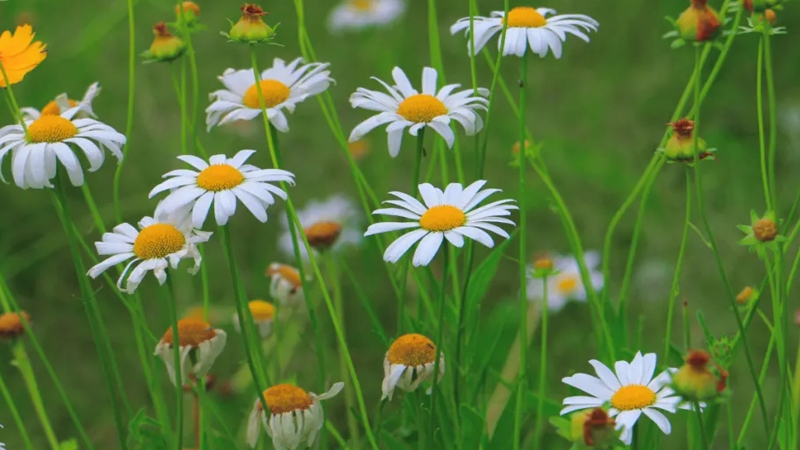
11, 325
765, 230
745, 295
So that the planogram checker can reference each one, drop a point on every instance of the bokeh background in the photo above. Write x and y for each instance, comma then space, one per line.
600, 111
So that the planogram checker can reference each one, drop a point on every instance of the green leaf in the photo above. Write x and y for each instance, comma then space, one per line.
479, 284
70, 444
391, 443
472, 427
145, 433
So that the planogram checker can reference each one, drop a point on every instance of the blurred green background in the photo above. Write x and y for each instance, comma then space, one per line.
600, 111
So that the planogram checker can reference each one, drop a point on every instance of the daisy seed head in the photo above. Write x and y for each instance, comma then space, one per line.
286, 398
191, 333
412, 350
442, 218
165, 46
158, 241
51, 128
251, 27
322, 235
11, 325
765, 230
262, 310
525, 17
421, 108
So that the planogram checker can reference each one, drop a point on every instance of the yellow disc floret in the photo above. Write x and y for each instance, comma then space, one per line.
412, 350
525, 17
421, 108
634, 396
51, 128
11, 324
220, 177
158, 241
191, 332
322, 235
284, 398
52, 108
274, 93
285, 272
442, 218
567, 284
362, 5
261, 310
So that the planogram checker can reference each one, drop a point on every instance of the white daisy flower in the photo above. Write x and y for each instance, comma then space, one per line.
221, 182
328, 225
404, 107
411, 359
62, 103
263, 315
295, 416
283, 87
527, 27
359, 14
54, 138
631, 392
286, 284
452, 215
160, 243
566, 284
199, 346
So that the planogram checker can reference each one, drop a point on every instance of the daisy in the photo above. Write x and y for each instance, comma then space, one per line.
358, 14
55, 137
62, 103
19, 54
631, 392
221, 181
160, 243
286, 285
283, 87
328, 225
566, 284
199, 344
295, 416
411, 359
404, 107
452, 215
263, 315
527, 26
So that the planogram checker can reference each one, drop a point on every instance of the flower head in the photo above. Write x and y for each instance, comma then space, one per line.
747, 295
250, 28
19, 54
282, 87
699, 22
761, 5
220, 182
159, 243
410, 360
292, 417
329, 225
762, 233
263, 313
453, 215
564, 283
405, 107
631, 392
190, 11
11, 324
197, 341
681, 145
165, 46
286, 285
526, 27
696, 381
52, 138
63, 103
352, 15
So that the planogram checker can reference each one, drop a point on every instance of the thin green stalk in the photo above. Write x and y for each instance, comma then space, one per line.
401, 301
761, 378
14, 105
131, 99
439, 336
537, 439
23, 363
773, 116
731, 436
184, 118
673, 291
761, 133
187, 37
701, 426
176, 352
19, 424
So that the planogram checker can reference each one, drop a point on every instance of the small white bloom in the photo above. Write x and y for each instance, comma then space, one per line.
286, 285
328, 225
194, 336
53, 138
62, 103
404, 107
631, 392
221, 181
282, 86
453, 215
295, 416
566, 284
263, 315
359, 14
410, 360
527, 27
160, 243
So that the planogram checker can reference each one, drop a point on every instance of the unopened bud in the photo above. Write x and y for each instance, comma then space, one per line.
592, 428
165, 46
190, 10
699, 22
251, 28
760, 5
681, 145
765, 230
694, 381
11, 324
745, 295
543, 263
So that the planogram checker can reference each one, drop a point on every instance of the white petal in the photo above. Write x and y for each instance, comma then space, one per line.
427, 248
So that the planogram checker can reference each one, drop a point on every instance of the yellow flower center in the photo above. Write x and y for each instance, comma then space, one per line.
412, 350
274, 93
362, 5
442, 218
634, 396
220, 177
51, 128
567, 284
322, 235
421, 108
262, 311
285, 272
158, 241
52, 109
525, 17
11, 324
285, 398
191, 332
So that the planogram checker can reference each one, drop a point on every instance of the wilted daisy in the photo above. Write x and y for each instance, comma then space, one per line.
159, 243
19, 54
221, 181
411, 359
328, 225
453, 215
199, 345
11, 325
286, 285
263, 313
295, 416
283, 87
358, 14
631, 392
54, 138
566, 283
62, 103
404, 107
526, 27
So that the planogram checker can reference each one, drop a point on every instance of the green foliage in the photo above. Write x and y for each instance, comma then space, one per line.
145, 433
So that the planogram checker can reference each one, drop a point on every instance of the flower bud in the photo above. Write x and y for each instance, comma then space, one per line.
165, 46
695, 381
11, 324
745, 295
699, 22
189, 8
681, 146
592, 428
765, 230
515, 147
543, 263
760, 5
251, 28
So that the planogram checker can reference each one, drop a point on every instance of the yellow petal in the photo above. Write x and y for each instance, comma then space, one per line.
11, 45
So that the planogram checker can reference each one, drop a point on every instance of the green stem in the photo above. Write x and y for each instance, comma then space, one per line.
701, 426
176, 352
401, 301
20, 425
761, 378
439, 335
773, 123
131, 99
23, 363
542, 369
761, 134
673, 292
15, 106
